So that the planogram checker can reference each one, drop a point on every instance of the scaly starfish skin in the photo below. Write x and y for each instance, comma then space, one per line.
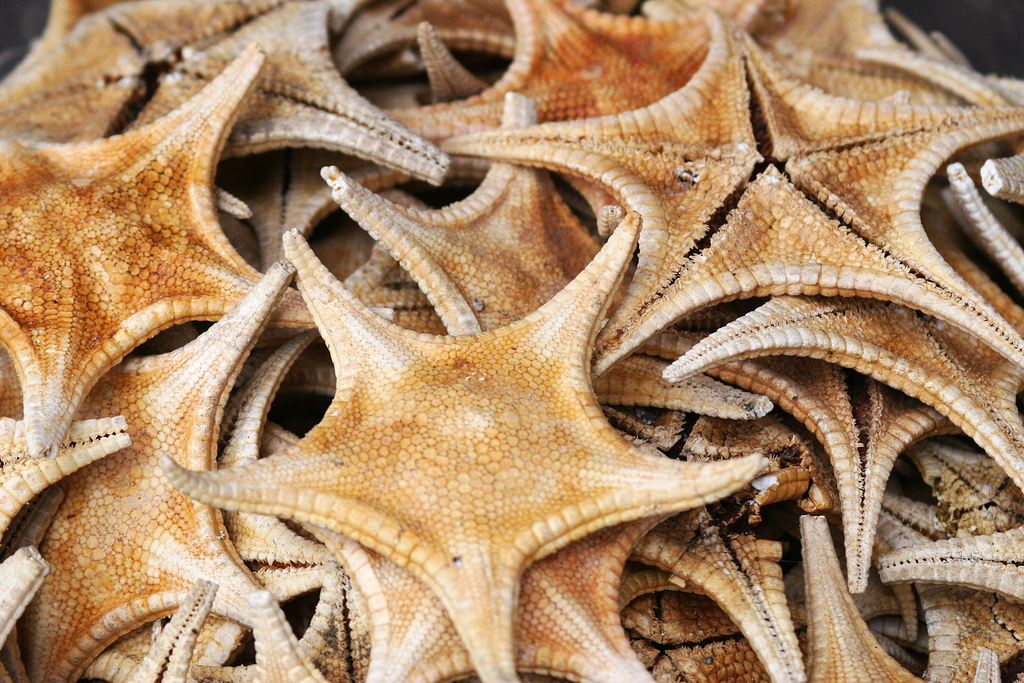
143, 537
133, 248
469, 551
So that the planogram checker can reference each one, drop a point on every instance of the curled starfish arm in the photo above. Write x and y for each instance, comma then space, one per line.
841, 646
988, 667
958, 79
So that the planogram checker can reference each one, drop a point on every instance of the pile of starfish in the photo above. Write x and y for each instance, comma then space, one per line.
431, 340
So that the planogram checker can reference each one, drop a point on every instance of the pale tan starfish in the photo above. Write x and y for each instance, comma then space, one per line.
469, 551
107, 243
842, 648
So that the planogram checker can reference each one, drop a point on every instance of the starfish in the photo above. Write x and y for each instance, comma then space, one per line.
937, 364
144, 538
741, 573
22, 574
842, 648
576, 63
470, 553
135, 248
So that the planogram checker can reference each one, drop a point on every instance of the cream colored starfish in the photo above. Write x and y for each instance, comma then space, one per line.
470, 551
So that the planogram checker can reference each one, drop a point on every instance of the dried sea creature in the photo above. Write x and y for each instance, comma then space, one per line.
502, 460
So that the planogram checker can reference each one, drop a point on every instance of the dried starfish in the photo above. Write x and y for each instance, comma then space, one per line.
842, 648
939, 365
144, 538
135, 248
740, 572
300, 99
21, 575
472, 555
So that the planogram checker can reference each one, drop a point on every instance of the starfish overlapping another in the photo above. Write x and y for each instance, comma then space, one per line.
504, 449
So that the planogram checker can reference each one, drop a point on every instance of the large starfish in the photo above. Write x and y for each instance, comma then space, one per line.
144, 538
526, 383
107, 243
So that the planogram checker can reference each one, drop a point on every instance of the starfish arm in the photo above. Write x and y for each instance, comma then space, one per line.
742, 575
988, 667
958, 79
1004, 178
278, 659
22, 574
169, 658
449, 80
21, 480
637, 381
837, 633
989, 562
984, 228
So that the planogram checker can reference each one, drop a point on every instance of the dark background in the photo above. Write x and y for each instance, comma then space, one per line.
990, 32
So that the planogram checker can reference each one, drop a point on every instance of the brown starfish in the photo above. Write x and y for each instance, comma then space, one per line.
133, 248
144, 538
510, 383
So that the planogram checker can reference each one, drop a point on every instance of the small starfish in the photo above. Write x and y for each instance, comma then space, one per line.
144, 538
133, 249
842, 648
469, 548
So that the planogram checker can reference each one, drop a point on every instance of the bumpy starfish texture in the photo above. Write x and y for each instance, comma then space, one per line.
152, 542
470, 553
22, 573
134, 248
